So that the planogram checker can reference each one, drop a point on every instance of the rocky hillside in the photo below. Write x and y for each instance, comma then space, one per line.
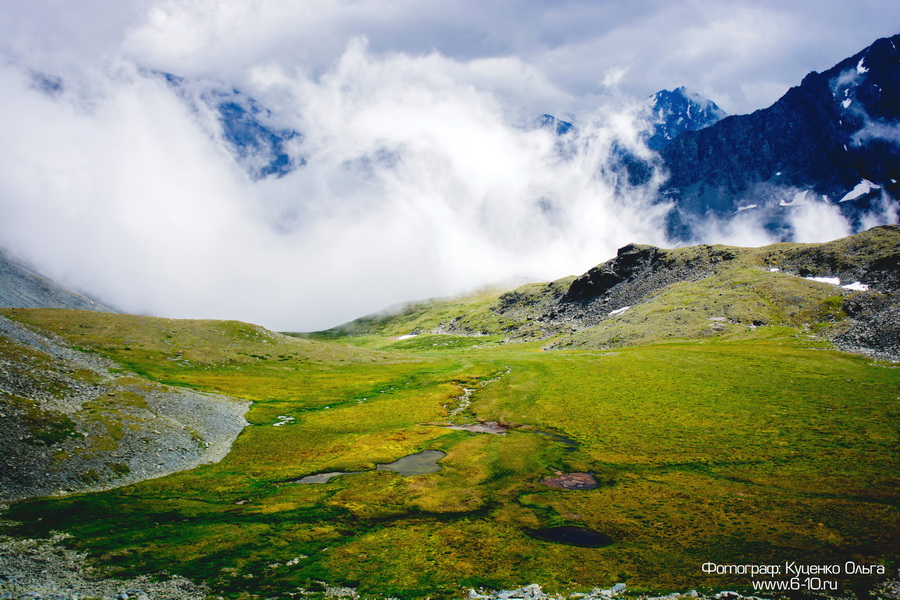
21, 286
73, 421
847, 291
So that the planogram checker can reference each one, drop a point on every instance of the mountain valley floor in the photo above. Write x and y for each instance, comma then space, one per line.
724, 432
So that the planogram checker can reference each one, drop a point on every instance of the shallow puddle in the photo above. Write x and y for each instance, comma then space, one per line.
323, 477
571, 535
415, 464
491, 427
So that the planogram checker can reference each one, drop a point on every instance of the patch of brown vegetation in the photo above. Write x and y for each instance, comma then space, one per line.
572, 481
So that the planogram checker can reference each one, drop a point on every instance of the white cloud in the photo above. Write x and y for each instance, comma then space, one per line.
818, 221
417, 184
420, 179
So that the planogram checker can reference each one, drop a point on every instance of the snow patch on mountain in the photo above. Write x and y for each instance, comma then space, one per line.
861, 189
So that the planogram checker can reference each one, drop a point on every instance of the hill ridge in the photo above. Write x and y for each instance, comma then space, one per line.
772, 285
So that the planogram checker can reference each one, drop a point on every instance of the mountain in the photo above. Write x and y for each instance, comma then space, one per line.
667, 114
250, 130
848, 290
677, 111
558, 126
834, 136
21, 286
260, 146
670, 113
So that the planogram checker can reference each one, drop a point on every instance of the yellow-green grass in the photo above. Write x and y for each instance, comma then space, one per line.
730, 304
416, 317
751, 450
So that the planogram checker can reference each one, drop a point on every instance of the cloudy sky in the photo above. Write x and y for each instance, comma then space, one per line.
422, 178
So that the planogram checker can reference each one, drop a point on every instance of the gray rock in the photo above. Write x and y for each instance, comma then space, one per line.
183, 428
48, 571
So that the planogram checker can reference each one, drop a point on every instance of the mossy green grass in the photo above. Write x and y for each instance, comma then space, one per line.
763, 446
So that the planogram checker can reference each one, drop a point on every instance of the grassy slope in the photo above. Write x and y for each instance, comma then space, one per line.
744, 445
729, 304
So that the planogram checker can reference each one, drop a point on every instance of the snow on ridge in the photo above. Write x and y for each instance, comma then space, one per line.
861, 189
856, 286
860, 68
618, 311
831, 280
798, 199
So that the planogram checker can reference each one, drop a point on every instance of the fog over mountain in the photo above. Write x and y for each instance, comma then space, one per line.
301, 166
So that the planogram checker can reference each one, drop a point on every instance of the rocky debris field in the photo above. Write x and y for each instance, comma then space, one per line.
44, 570
72, 421
874, 328
534, 592
889, 590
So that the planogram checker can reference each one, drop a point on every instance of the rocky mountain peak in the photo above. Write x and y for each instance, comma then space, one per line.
677, 111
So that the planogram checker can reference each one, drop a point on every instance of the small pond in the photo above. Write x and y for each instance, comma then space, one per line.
571, 535
415, 464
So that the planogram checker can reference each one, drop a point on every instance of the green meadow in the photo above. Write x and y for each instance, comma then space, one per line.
752, 446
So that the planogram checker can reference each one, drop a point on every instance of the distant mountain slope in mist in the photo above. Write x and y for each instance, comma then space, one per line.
665, 115
259, 145
834, 136
558, 126
21, 286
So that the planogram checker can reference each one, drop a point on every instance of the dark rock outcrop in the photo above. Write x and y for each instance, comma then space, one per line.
636, 273
874, 326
